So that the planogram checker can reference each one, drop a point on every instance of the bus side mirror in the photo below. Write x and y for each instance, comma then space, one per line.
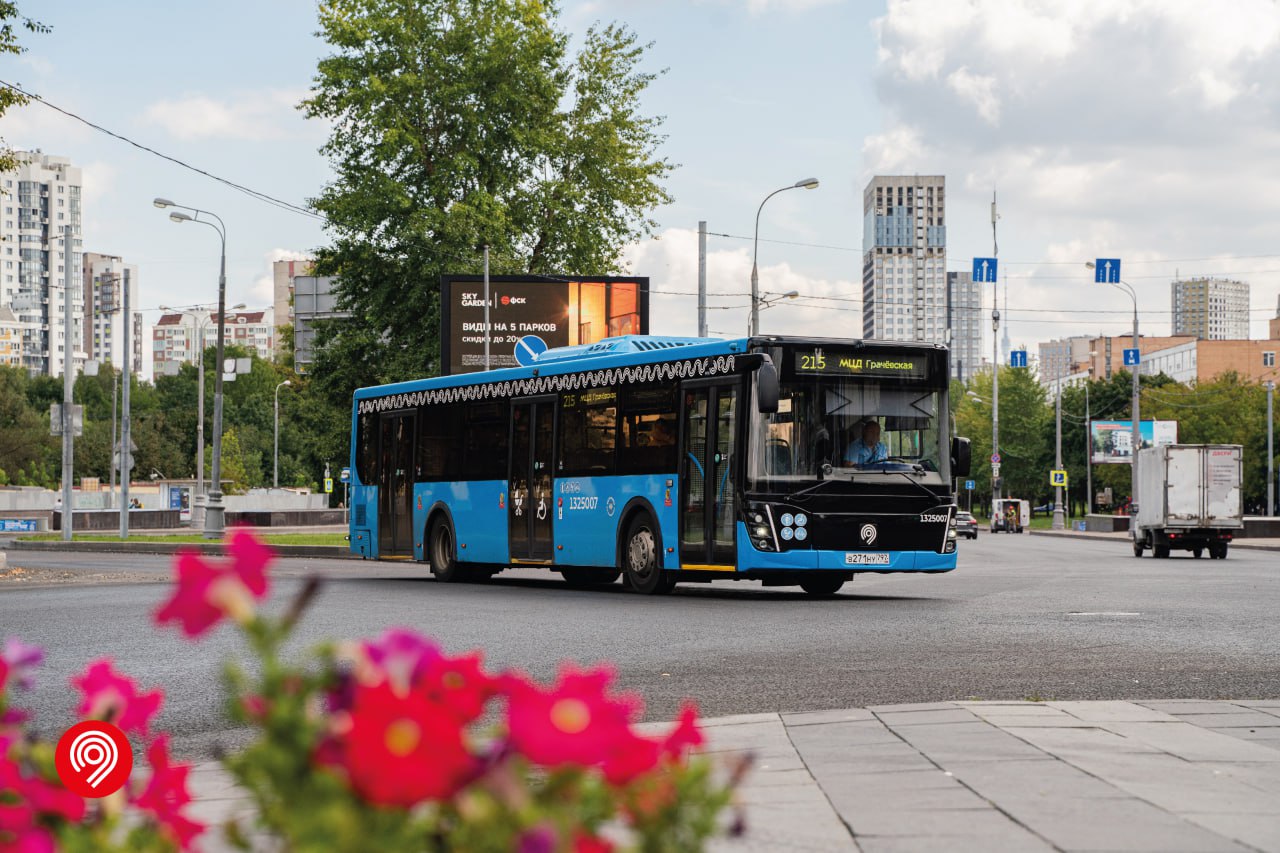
767, 388
961, 456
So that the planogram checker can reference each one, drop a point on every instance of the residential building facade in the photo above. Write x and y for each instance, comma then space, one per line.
964, 321
1187, 359
180, 337
106, 278
42, 198
904, 258
1213, 309
1064, 357
11, 329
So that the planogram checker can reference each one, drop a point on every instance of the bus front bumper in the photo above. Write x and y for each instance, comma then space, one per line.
864, 560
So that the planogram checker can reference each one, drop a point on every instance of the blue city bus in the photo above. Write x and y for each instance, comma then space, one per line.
667, 460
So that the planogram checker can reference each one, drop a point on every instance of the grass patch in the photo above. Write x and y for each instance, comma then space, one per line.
338, 539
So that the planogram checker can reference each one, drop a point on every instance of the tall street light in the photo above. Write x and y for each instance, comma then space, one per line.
1088, 441
214, 520
275, 465
1059, 521
808, 184
1136, 439
198, 501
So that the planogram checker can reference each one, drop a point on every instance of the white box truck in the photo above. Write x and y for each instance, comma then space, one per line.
1189, 499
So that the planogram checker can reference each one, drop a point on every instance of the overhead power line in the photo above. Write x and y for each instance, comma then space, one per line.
252, 193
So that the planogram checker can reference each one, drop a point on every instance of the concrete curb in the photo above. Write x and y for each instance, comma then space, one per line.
1123, 538
213, 548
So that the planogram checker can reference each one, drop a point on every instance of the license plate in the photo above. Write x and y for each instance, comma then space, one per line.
863, 559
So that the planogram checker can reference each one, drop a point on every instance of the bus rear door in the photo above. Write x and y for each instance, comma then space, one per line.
395, 485
708, 510
529, 510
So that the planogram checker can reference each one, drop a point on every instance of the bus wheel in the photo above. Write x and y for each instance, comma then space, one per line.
640, 559
441, 553
820, 585
587, 578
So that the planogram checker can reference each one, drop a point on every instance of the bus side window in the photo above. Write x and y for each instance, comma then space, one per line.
484, 441
367, 448
588, 433
438, 435
649, 430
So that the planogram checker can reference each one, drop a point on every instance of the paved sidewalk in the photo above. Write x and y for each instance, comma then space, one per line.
1186, 775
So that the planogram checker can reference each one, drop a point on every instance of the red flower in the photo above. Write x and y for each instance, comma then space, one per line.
110, 696
630, 757
19, 830
575, 722
401, 750
584, 843
249, 560
459, 685
686, 735
205, 592
166, 794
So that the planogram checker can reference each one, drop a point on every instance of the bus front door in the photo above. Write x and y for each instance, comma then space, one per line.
395, 485
708, 507
530, 508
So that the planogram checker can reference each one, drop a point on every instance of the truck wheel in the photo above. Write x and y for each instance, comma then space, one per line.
1218, 550
640, 559
1137, 548
1197, 552
1160, 552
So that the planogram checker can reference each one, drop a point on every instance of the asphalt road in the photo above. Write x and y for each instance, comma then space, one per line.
1023, 617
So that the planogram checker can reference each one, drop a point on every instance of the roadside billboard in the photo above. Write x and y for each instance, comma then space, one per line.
1112, 441
528, 314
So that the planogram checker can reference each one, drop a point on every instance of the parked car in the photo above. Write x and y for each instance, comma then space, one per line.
966, 525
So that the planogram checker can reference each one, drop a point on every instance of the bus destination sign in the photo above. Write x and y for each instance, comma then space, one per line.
880, 365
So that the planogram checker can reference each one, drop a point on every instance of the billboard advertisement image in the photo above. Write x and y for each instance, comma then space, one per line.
529, 314
1112, 441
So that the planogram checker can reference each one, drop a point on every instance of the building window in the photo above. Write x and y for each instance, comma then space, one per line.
1268, 359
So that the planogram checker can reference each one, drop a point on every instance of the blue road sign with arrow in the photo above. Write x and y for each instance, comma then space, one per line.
1132, 357
528, 349
1018, 358
1106, 270
984, 269
968, 484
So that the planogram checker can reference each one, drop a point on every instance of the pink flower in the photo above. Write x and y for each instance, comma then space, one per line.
400, 656
36, 798
165, 795
113, 697
206, 592
686, 735
575, 722
19, 659
459, 685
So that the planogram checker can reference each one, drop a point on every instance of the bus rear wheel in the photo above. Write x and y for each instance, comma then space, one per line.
441, 554
822, 586
640, 560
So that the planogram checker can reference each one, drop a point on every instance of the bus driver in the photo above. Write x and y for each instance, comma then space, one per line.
867, 449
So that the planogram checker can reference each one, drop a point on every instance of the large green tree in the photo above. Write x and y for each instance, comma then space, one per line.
462, 123
11, 23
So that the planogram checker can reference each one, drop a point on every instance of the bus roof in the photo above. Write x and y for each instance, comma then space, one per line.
621, 351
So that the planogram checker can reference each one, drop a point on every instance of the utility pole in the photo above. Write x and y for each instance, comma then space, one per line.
997, 489
68, 387
1271, 455
1088, 450
126, 459
702, 278
487, 331
1059, 523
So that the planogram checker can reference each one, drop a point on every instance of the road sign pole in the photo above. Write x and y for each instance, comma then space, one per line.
126, 469
1059, 522
68, 386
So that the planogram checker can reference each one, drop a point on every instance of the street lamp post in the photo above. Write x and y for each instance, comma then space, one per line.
1088, 441
275, 464
199, 499
1059, 522
214, 525
1136, 438
808, 184
1271, 456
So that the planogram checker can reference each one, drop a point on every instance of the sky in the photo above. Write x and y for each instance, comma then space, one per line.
1147, 130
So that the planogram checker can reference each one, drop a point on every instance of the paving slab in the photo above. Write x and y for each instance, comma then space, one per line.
1179, 707
1258, 831
1113, 712
808, 718
1244, 719
1193, 743
923, 718
1012, 709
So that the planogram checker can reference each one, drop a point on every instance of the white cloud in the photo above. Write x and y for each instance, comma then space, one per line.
262, 291
253, 116
99, 179
824, 307
1144, 129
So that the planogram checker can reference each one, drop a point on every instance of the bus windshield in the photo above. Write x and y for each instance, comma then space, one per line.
860, 427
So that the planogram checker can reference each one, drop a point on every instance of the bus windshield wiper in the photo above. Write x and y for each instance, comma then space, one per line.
914, 482
807, 489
